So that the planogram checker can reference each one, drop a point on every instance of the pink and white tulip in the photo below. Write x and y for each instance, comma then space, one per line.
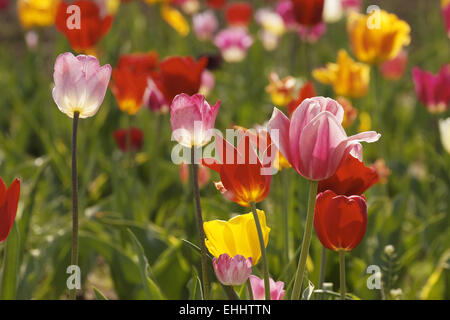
314, 141
233, 44
80, 84
192, 119
232, 271
205, 25
433, 90
276, 288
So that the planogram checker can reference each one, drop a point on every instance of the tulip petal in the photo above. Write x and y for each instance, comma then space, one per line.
280, 122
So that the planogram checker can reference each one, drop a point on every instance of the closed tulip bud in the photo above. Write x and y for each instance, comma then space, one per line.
80, 84
340, 221
316, 127
192, 119
232, 271
276, 288
9, 199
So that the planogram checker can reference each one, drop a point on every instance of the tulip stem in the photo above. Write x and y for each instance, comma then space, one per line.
323, 261
201, 231
306, 241
285, 178
342, 272
74, 257
263, 251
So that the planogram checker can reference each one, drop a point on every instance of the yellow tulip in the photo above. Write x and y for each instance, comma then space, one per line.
377, 37
39, 13
365, 122
281, 90
175, 19
281, 162
236, 236
348, 77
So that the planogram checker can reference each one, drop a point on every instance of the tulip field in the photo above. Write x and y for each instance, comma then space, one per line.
224, 150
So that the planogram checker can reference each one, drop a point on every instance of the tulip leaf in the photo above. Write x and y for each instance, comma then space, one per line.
307, 293
99, 295
10, 271
195, 286
152, 291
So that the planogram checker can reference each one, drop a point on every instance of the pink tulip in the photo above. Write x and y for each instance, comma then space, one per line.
351, 5
207, 83
393, 69
433, 90
192, 119
154, 99
312, 34
314, 141
233, 43
80, 84
4, 4
205, 24
285, 9
276, 289
232, 271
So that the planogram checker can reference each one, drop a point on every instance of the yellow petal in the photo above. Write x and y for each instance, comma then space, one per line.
236, 236
175, 19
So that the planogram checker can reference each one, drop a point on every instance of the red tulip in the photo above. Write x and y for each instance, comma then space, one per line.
216, 4
92, 25
351, 178
130, 80
308, 12
179, 75
242, 174
134, 135
340, 221
4, 4
9, 199
239, 14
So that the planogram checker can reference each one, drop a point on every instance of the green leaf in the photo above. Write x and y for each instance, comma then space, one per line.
307, 293
9, 274
99, 295
195, 286
152, 291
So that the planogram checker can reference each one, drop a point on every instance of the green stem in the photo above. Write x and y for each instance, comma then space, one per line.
74, 257
250, 290
285, 177
231, 292
263, 251
342, 272
296, 291
323, 262
201, 231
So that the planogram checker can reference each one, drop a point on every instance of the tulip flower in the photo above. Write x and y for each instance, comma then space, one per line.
208, 82
377, 37
154, 99
80, 84
179, 75
351, 5
129, 139
37, 12
131, 80
205, 25
233, 44
237, 236
305, 92
312, 34
348, 78
242, 174
433, 90
9, 199
192, 119
272, 27
276, 289
239, 14
393, 69
281, 91
92, 27
316, 126
216, 4
308, 12
444, 129
232, 271
350, 112
175, 19
285, 9
340, 221
332, 11
351, 178
4, 4
80, 87
203, 174
445, 7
